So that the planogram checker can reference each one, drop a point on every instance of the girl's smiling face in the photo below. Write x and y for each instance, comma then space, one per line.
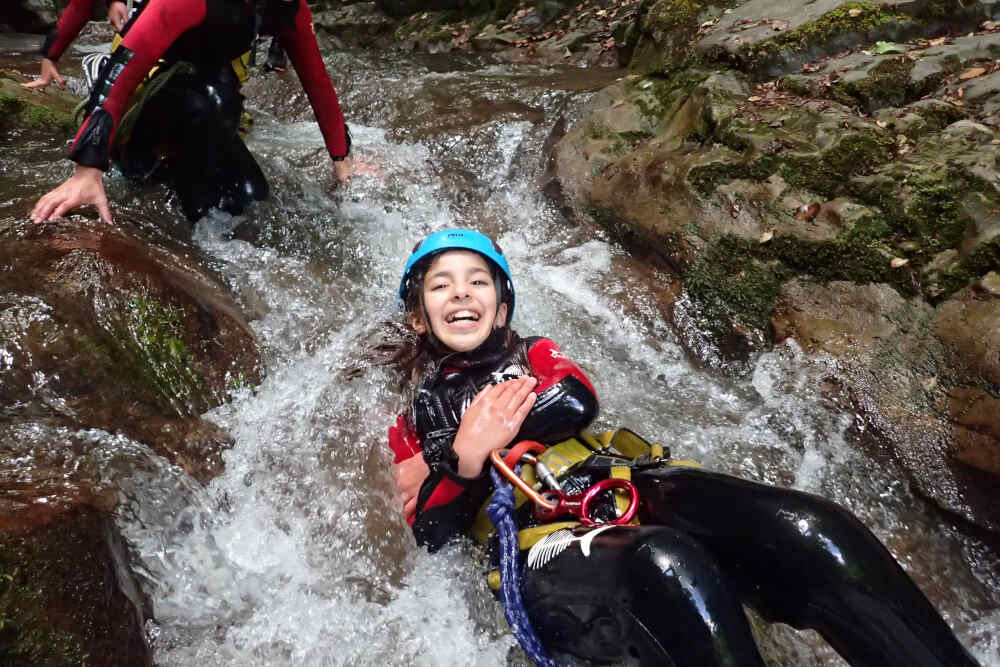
460, 301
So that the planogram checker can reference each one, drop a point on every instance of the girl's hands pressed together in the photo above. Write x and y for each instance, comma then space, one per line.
492, 420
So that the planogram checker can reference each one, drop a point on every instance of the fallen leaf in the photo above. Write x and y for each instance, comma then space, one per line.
938, 42
766, 236
618, 103
960, 93
989, 25
853, 13
972, 73
898, 262
808, 212
881, 48
882, 124
754, 98
601, 13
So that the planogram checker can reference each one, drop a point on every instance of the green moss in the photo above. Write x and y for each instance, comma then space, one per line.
981, 261
597, 130
934, 214
667, 15
735, 281
828, 173
707, 177
733, 286
824, 29
16, 111
26, 639
656, 96
887, 85
150, 346
626, 142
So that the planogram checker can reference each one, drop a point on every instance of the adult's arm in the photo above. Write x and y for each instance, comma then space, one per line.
300, 44
155, 29
69, 25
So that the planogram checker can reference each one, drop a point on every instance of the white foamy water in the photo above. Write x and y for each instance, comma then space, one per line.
297, 555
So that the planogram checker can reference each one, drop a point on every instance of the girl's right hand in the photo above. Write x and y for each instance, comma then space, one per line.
492, 420
48, 74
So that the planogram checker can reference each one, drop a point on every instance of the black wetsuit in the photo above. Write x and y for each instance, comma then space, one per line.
671, 590
186, 126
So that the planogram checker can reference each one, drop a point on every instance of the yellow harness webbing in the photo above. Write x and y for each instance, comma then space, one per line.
562, 456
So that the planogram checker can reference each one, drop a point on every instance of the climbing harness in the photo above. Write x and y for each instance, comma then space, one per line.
555, 502
506, 474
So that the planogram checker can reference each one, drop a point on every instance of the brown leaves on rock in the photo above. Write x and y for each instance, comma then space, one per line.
971, 73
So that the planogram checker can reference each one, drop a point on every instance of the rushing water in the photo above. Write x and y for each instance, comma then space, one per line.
297, 554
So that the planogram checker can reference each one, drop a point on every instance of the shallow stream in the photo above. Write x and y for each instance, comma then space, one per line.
296, 554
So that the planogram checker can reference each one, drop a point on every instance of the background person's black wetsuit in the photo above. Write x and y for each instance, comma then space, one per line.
670, 591
186, 129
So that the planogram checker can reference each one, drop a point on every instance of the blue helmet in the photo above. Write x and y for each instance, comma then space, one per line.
461, 239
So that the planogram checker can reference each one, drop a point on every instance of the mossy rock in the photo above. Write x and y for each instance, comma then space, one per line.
49, 110
132, 337
66, 598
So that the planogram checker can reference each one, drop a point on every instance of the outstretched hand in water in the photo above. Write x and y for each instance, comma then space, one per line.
48, 75
85, 186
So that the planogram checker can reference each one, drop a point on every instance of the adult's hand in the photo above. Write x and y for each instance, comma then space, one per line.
48, 74
117, 15
410, 476
343, 170
491, 421
85, 186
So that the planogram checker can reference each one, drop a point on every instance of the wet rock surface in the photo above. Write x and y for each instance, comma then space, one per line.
103, 331
785, 161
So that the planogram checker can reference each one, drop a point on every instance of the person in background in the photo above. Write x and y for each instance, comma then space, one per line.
183, 125
67, 28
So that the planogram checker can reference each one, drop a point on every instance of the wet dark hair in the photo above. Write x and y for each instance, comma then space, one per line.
401, 349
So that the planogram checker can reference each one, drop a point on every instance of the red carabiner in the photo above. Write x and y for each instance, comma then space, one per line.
579, 504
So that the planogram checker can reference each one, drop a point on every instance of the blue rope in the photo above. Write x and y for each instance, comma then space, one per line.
501, 510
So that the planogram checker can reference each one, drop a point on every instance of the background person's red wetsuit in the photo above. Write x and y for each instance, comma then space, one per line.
206, 33
69, 25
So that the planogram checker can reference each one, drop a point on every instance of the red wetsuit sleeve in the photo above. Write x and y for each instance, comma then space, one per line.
444, 504
300, 44
69, 25
402, 440
550, 365
156, 28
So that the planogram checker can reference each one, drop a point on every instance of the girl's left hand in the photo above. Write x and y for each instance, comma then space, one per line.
492, 421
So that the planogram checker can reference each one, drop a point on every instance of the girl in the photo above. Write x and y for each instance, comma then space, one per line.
667, 591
